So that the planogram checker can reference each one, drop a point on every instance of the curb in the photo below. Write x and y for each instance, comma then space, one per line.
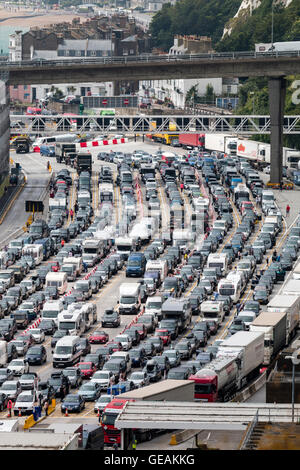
182, 436
10, 201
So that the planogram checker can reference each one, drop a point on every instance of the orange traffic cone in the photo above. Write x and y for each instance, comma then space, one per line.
66, 413
20, 414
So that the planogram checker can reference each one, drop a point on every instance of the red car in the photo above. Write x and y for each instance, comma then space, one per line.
164, 335
87, 369
55, 267
141, 328
98, 337
115, 345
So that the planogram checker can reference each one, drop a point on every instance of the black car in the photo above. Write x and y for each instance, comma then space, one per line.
12, 352
3, 401
5, 374
96, 358
37, 354
45, 392
138, 357
60, 383
73, 403
85, 346
110, 318
48, 326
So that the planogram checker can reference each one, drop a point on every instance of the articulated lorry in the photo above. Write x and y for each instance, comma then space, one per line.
238, 361
289, 303
166, 390
224, 143
189, 141
274, 327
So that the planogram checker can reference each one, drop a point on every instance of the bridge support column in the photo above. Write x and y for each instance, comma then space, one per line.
277, 89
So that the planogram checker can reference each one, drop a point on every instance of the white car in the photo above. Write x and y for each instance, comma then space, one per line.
18, 366
29, 381
104, 378
38, 335
11, 388
24, 403
140, 379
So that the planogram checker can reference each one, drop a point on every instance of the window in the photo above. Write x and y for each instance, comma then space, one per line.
25, 87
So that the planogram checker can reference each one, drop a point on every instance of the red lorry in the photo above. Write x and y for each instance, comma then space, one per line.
189, 141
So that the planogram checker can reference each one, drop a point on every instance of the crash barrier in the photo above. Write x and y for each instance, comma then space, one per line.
133, 321
34, 325
37, 415
94, 143
252, 389
182, 436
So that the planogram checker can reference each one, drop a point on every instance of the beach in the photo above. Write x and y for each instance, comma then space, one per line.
25, 18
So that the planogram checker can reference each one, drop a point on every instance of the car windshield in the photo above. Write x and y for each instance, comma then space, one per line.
26, 398
28, 377
88, 387
101, 375
72, 398
8, 387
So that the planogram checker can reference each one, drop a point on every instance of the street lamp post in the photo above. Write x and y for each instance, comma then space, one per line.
272, 28
295, 358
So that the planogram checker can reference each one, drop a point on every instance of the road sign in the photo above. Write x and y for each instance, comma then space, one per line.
126, 101
104, 102
34, 206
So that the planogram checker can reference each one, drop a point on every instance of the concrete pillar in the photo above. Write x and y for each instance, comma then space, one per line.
277, 89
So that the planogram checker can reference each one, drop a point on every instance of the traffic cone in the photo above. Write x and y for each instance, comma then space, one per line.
20, 414
66, 413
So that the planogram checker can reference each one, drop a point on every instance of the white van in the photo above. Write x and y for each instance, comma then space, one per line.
123, 355
77, 261
67, 351
3, 260
154, 305
59, 280
51, 309
34, 250
130, 298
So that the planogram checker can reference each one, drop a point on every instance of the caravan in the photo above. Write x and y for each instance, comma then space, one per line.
59, 280
34, 250
71, 321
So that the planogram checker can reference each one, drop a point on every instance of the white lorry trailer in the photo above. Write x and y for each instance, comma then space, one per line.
274, 327
248, 348
288, 302
221, 143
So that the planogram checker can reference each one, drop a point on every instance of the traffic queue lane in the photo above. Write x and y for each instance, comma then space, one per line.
114, 283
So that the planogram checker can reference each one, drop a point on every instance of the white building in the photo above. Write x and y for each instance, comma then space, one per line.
15, 46
176, 89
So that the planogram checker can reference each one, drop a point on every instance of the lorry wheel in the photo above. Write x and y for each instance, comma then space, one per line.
149, 436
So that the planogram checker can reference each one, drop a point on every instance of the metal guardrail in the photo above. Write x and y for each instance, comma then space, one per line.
145, 58
213, 123
249, 432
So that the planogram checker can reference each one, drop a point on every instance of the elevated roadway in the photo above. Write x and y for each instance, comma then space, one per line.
151, 67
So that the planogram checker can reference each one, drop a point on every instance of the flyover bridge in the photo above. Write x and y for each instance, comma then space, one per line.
151, 67
231, 124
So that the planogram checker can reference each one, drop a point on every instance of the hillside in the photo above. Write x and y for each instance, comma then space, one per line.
232, 24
